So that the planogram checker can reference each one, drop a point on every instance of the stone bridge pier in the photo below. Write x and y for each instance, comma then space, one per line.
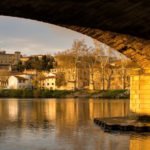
140, 92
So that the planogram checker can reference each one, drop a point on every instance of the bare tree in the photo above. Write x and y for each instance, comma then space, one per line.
37, 80
108, 75
60, 79
123, 72
73, 58
102, 61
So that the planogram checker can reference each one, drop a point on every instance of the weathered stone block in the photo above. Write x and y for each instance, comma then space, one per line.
140, 94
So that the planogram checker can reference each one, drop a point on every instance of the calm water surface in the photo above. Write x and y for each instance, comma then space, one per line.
63, 124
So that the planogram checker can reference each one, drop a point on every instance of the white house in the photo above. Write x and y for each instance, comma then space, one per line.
19, 82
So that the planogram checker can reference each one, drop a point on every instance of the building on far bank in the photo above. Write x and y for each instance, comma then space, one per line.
19, 82
115, 77
5, 72
40, 56
5, 68
9, 59
75, 78
24, 59
111, 74
30, 72
3, 83
48, 82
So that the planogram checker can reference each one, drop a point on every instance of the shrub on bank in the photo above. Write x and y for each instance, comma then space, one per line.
27, 94
11, 93
115, 94
38, 93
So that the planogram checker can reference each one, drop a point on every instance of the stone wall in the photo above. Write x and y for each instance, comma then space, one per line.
140, 93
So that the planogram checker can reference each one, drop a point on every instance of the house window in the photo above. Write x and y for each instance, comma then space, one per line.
47, 83
21, 81
52, 83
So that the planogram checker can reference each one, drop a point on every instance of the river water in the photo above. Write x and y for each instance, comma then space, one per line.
64, 124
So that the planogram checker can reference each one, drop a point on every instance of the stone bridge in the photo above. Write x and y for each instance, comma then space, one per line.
122, 24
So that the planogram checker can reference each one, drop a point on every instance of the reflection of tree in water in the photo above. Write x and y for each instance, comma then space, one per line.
140, 142
58, 112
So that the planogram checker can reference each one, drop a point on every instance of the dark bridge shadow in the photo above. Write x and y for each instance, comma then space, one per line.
122, 16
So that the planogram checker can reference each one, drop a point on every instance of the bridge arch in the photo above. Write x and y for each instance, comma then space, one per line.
123, 25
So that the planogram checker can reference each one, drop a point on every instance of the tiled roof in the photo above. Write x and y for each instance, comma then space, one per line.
50, 77
21, 78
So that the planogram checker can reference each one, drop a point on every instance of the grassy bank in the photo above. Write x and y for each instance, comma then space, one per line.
33, 93
123, 94
109, 94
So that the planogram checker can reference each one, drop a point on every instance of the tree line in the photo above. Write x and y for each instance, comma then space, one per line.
95, 59
45, 63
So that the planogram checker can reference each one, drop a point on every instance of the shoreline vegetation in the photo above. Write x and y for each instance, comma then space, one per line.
38, 93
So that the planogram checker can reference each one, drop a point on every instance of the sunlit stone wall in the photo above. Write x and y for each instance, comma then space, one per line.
140, 92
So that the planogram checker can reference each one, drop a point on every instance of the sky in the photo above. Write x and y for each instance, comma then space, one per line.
32, 37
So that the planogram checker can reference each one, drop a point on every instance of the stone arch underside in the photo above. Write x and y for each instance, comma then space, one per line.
137, 49
123, 25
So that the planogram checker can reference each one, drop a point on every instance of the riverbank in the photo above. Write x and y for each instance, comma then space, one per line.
108, 94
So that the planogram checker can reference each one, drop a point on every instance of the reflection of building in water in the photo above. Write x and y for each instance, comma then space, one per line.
50, 110
107, 108
67, 113
63, 113
13, 109
140, 143
1, 107
70, 111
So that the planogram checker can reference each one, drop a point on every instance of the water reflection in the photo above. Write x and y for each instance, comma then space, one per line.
140, 142
61, 124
